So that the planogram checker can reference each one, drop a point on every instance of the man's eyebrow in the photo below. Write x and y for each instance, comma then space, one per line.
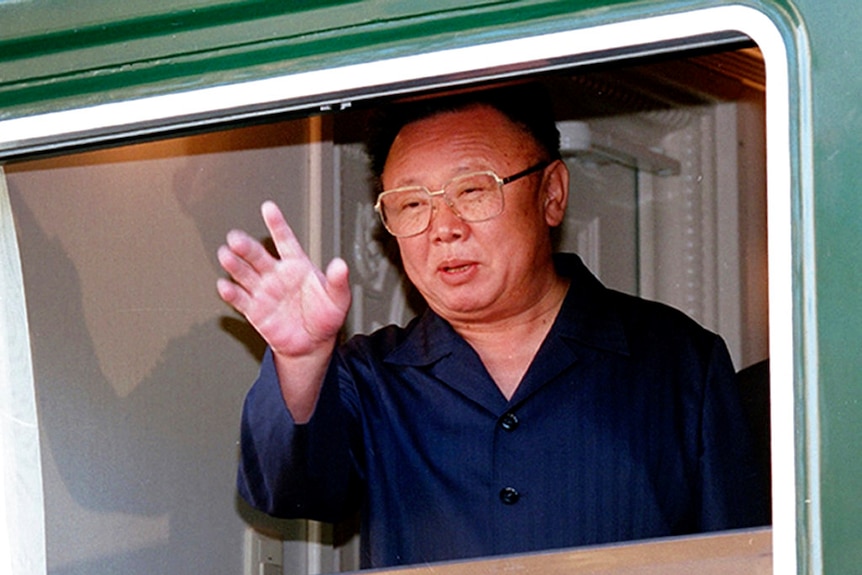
412, 181
406, 183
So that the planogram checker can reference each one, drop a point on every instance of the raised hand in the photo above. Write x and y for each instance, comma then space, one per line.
294, 306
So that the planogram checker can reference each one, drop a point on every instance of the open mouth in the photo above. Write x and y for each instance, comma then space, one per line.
456, 269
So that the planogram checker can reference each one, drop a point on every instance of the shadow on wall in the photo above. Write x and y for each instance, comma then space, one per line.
144, 481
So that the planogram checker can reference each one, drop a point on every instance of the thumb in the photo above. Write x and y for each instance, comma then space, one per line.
338, 284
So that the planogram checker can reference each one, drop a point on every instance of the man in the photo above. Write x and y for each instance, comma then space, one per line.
529, 408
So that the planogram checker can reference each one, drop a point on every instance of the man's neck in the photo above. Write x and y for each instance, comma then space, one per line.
507, 346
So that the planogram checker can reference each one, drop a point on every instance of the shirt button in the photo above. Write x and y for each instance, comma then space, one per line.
509, 495
509, 422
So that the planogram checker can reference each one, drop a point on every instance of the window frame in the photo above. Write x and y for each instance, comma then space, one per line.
340, 87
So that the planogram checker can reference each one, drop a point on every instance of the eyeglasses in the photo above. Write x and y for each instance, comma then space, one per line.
473, 197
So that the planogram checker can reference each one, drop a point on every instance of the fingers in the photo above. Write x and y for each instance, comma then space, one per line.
282, 235
247, 260
236, 292
231, 293
260, 278
244, 258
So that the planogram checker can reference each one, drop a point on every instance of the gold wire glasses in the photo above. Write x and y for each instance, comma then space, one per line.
473, 197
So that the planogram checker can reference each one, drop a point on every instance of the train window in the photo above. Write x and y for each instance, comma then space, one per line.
139, 370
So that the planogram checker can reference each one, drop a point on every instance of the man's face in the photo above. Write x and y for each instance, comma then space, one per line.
479, 271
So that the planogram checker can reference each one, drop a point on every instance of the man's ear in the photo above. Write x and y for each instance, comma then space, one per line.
556, 192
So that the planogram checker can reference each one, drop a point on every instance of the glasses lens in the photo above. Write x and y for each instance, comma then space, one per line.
476, 197
407, 211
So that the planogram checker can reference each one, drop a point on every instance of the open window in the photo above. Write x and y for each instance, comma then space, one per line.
139, 370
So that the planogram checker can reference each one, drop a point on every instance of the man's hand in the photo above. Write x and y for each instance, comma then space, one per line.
295, 307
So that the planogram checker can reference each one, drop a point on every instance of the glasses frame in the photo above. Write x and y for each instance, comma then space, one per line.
378, 207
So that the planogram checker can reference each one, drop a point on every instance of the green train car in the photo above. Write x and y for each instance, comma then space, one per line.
714, 147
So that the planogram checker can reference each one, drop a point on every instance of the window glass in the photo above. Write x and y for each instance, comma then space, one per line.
140, 370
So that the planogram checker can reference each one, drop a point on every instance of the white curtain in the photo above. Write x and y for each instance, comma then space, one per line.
22, 527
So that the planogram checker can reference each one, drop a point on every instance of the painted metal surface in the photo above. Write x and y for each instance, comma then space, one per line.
56, 58
51, 57
835, 203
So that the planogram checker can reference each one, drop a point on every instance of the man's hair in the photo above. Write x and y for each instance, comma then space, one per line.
528, 105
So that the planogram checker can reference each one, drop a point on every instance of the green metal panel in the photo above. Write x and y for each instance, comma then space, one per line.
836, 44
53, 58
57, 56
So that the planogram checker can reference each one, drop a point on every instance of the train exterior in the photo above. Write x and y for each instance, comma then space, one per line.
96, 74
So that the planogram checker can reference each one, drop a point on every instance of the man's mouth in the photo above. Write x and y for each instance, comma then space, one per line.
456, 269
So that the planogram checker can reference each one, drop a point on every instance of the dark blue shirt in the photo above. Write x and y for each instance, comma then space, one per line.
626, 426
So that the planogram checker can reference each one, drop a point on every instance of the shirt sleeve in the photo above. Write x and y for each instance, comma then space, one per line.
732, 489
292, 471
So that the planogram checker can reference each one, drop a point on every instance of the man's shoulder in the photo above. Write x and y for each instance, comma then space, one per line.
640, 310
387, 336
593, 303
388, 339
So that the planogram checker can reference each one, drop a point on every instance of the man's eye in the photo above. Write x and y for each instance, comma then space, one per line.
409, 204
471, 192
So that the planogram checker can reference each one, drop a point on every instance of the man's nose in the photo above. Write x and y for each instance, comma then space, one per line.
445, 222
